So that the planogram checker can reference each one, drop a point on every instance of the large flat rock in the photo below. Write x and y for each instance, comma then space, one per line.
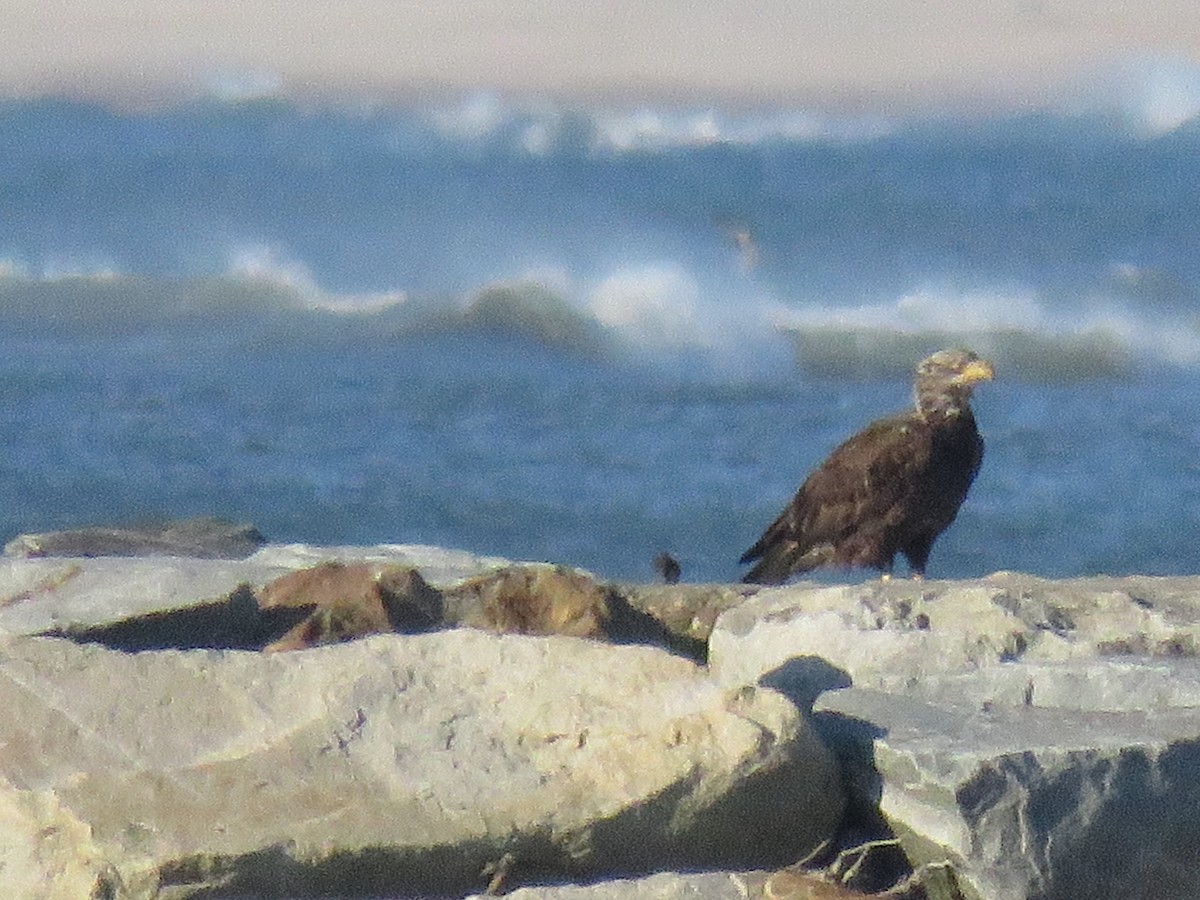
1038, 801
1044, 735
72, 593
396, 764
205, 538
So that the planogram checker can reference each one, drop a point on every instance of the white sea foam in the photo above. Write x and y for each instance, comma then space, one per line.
13, 268
268, 265
1154, 95
1091, 336
1157, 94
474, 117
645, 129
655, 313
652, 306
663, 313
234, 86
58, 267
539, 126
930, 308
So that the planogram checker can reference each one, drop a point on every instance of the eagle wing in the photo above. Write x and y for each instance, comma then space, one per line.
844, 510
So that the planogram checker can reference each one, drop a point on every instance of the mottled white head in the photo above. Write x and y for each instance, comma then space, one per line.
945, 380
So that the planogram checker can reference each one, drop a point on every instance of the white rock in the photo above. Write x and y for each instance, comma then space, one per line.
1045, 735
395, 764
663, 886
38, 595
438, 565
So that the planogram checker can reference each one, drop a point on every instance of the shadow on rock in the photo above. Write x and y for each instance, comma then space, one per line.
802, 679
236, 623
334, 602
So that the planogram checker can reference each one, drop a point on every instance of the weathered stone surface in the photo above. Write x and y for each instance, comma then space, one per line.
343, 602
786, 884
1039, 802
439, 566
45, 852
287, 598
533, 600
394, 764
548, 599
893, 635
204, 538
687, 610
38, 595
663, 886
1045, 735
74, 594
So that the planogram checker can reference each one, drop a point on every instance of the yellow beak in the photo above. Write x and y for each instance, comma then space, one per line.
977, 370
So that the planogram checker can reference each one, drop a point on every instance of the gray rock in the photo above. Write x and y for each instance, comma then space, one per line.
440, 566
1044, 735
1037, 801
204, 538
663, 886
73, 594
391, 765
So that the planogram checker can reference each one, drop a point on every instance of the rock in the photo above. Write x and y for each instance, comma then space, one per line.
786, 884
440, 566
547, 599
45, 852
662, 886
351, 601
40, 595
159, 602
203, 538
394, 765
688, 611
321, 595
1038, 802
1042, 735
532, 600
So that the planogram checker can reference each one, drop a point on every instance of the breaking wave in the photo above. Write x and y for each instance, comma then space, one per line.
739, 242
656, 315
1101, 338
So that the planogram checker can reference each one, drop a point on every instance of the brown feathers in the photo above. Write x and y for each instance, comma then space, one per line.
892, 488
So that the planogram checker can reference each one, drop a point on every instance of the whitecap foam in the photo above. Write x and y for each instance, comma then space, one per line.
60, 267
263, 263
1088, 337
475, 117
1153, 95
930, 308
663, 309
240, 86
656, 314
539, 127
269, 266
13, 268
652, 306
648, 129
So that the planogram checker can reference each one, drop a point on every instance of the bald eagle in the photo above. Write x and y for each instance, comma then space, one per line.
892, 488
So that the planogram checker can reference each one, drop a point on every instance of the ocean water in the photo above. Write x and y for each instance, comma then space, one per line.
589, 335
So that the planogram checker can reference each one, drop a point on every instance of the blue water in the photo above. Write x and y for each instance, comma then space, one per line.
570, 335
